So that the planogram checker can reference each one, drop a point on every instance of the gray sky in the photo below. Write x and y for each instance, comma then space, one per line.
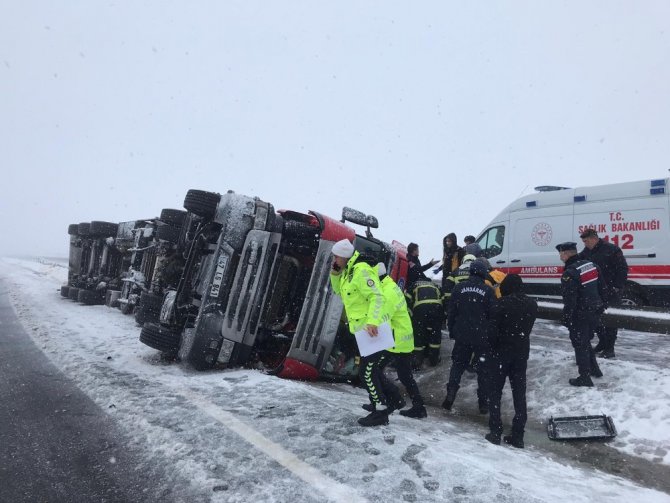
432, 116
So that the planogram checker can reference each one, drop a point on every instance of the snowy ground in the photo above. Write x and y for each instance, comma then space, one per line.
240, 435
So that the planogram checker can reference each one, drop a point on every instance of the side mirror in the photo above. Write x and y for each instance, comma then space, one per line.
358, 217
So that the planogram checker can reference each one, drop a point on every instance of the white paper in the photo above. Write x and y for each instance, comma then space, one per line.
368, 345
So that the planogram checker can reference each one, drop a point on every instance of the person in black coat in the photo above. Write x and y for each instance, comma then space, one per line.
614, 269
514, 317
415, 271
582, 289
469, 323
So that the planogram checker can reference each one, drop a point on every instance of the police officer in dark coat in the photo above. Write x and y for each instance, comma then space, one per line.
469, 322
583, 291
515, 314
614, 269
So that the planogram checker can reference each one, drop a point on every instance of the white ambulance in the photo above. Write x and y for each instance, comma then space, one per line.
634, 216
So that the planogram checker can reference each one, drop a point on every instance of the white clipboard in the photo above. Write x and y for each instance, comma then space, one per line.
368, 345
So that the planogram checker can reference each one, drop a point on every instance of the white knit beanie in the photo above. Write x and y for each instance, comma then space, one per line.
343, 248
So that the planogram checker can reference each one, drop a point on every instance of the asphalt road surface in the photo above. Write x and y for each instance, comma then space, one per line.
56, 445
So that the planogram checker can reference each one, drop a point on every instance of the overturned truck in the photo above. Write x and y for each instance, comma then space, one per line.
255, 289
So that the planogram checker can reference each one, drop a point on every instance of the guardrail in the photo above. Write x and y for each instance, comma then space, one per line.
649, 319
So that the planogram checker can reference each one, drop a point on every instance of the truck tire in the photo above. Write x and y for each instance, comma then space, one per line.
89, 297
172, 217
84, 229
73, 229
168, 233
104, 229
65, 291
162, 338
202, 203
73, 293
149, 308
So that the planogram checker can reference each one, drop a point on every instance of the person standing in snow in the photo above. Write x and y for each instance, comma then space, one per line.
452, 256
357, 283
401, 353
470, 322
614, 269
415, 271
582, 289
425, 303
514, 317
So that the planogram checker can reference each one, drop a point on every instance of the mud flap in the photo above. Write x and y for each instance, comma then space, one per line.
581, 428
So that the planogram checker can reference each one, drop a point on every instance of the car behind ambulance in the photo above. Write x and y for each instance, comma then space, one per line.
634, 216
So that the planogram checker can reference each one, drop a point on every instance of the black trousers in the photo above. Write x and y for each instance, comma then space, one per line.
380, 389
427, 326
502, 367
607, 335
460, 359
581, 332
403, 365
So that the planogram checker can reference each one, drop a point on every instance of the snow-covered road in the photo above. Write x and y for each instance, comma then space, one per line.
241, 435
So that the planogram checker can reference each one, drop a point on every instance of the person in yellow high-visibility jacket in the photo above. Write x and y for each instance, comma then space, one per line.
357, 283
403, 335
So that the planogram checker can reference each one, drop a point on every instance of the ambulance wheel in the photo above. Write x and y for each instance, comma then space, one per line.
65, 291
202, 203
632, 297
104, 229
172, 217
161, 338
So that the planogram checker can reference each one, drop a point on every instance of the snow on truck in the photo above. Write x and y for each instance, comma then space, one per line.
634, 216
255, 289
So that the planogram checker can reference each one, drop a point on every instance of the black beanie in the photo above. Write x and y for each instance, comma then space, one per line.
511, 284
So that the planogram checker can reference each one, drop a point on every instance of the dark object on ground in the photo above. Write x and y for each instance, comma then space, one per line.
581, 428
370, 407
415, 412
513, 441
493, 438
581, 381
376, 418
608, 354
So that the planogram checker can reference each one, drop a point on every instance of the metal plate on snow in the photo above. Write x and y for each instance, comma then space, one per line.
581, 428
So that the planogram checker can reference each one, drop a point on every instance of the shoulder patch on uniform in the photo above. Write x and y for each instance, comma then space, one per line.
371, 283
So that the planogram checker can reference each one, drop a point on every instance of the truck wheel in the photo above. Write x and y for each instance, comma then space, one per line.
159, 337
65, 291
202, 203
89, 297
73, 293
172, 217
632, 298
84, 229
73, 229
168, 233
149, 308
104, 229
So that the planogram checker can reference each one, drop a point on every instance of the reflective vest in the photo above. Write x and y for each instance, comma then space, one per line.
493, 279
424, 292
358, 285
395, 309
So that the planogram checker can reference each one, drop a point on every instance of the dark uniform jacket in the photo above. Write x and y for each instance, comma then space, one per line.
582, 289
514, 317
415, 271
613, 266
470, 312
423, 292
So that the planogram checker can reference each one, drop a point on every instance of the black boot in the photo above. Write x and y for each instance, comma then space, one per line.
370, 407
494, 438
582, 380
451, 396
416, 411
396, 402
608, 354
514, 440
376, 418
